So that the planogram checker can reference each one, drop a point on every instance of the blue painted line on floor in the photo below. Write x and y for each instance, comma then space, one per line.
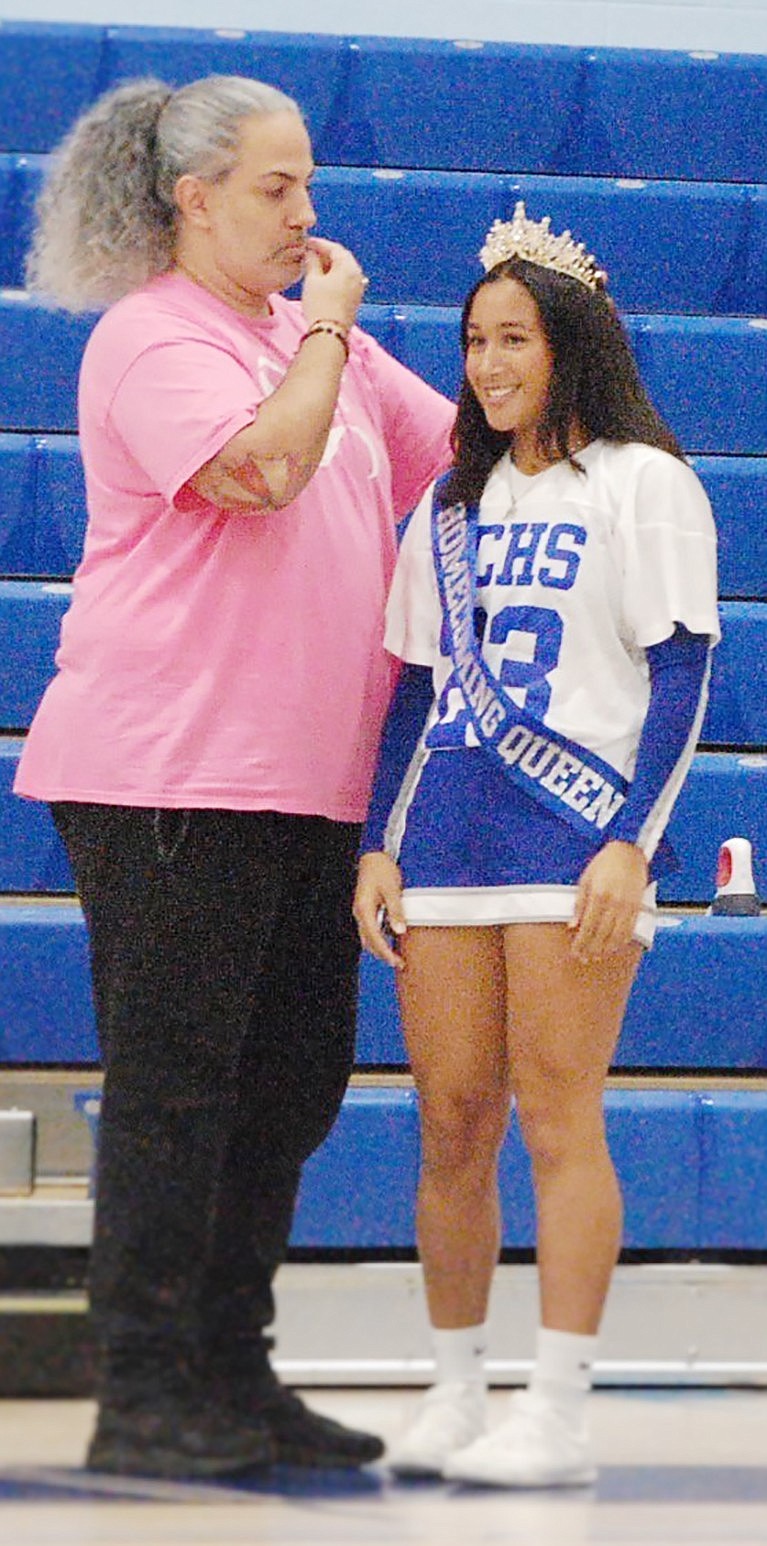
683, 1484
652, 1484
35, 1484
30, 1485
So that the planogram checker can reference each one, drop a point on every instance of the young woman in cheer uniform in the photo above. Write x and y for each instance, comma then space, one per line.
555, 606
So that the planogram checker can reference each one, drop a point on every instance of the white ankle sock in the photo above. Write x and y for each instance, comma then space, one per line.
562, 1372
460, 1354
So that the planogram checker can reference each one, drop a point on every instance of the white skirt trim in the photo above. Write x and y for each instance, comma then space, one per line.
482, 906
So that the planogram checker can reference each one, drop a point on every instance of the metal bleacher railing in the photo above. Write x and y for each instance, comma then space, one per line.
421, 145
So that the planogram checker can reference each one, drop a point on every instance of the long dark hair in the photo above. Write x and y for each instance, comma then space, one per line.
594, 382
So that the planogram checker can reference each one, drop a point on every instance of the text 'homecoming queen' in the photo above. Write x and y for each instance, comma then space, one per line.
560, 775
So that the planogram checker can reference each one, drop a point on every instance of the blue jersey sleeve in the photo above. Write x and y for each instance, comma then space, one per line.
678, 685
413, 698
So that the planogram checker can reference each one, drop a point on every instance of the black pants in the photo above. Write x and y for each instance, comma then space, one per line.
224, 964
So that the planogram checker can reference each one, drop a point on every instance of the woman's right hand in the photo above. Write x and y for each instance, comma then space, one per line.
378, 906
334, 283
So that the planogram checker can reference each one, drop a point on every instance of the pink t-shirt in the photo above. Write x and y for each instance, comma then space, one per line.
212, 659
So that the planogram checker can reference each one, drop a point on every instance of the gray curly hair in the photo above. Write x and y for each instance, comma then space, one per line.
106, 218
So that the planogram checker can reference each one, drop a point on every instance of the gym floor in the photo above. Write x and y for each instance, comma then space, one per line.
678, 1467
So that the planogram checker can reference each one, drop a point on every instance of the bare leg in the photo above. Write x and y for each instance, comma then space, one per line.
564, 1021
452, 994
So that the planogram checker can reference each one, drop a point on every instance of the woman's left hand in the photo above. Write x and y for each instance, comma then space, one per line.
610, 893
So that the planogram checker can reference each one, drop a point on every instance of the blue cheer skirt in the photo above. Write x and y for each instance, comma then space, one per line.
475, 849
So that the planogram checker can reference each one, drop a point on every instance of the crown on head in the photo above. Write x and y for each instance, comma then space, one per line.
533, 241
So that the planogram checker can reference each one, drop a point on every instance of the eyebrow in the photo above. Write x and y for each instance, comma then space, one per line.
520, 327
288, 177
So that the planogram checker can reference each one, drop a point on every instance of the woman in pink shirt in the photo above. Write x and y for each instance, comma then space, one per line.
208, 740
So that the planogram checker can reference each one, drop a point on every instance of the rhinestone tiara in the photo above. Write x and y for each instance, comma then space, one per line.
533, 241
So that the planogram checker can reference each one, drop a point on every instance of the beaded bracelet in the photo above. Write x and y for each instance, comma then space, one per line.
333, 329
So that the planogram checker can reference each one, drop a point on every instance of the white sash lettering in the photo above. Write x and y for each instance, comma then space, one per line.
575, 783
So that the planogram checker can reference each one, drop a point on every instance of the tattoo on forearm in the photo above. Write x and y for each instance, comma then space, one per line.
273, 480
257, 482
250, 479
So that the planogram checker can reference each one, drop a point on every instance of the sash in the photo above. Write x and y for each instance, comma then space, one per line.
564, 776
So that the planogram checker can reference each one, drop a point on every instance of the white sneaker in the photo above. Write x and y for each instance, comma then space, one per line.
539, 1445
449, 1417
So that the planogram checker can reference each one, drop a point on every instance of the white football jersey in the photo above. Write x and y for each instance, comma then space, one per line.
577, 574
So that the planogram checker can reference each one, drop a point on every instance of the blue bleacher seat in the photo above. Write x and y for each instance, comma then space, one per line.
47, 473
42, 505
654, 1143
700, 997
653, 113
737, 706
708, 375
379, 1032
755, 279
30, 623
425, 338
60, 512
32, 856
44, 399
310, 67
17, 504
49, 73
47, 1008
724, 795
358, 1190
8, 219
463, 105
733, 1170
666, 247
681, 1157
674, 1019
25, 177
31, 612
417, 234
737, 488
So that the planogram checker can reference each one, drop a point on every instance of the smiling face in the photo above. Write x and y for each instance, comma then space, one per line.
509, 365
244, 234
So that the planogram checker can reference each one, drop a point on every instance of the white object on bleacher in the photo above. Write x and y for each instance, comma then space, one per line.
735, 890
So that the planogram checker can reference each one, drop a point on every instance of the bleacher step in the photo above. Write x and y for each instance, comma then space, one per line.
667, 1323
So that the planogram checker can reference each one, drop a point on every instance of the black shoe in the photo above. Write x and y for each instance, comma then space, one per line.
302, 1437
171, 1443
239, 1378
